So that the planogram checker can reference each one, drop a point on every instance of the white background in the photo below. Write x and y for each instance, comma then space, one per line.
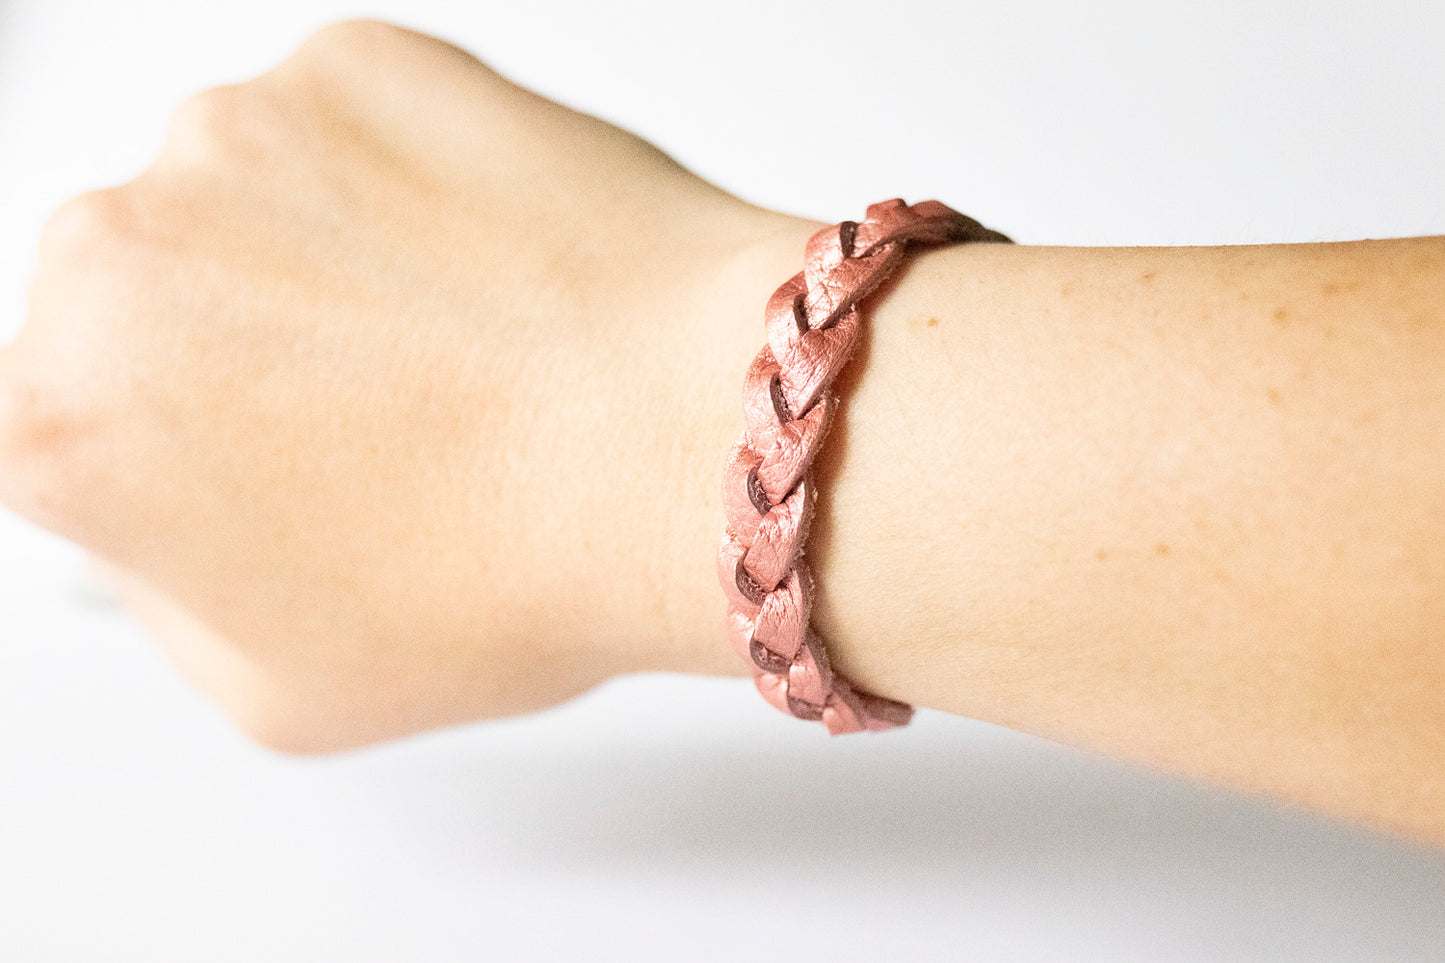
675, 818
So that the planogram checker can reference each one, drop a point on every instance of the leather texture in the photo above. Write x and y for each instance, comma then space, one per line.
768, 493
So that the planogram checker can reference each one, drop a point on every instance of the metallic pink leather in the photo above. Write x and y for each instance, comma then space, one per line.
768, 492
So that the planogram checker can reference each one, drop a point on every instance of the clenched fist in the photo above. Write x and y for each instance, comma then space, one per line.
393, 395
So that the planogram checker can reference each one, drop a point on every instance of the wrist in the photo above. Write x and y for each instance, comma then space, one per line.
868, 582
701, 349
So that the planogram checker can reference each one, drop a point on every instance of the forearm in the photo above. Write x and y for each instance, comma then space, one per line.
1180, 505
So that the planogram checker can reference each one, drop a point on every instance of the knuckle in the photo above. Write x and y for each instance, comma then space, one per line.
209, 111
89, 220
338, 49
352, 49
349, 37
222, 123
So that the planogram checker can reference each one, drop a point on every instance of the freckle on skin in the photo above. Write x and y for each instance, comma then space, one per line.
933, 322
1161, 549
1101, 554
1147, 277
1281, 317
1272, 395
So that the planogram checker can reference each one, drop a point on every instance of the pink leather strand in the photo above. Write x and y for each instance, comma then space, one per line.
812, 323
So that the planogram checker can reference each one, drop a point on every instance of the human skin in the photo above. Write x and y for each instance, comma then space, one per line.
395, 396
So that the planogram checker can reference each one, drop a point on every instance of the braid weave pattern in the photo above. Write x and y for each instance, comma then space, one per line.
812, 324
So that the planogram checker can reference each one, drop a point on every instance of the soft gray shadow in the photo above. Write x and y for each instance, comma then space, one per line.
960, 809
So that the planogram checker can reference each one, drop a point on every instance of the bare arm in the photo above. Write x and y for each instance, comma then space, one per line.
395, 396
1181, 505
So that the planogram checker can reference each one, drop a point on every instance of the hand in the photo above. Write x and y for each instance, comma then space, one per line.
370, 393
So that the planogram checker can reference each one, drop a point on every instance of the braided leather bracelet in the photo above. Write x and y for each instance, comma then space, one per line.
812, 324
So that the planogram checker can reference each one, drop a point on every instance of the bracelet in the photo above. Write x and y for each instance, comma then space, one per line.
812, 325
